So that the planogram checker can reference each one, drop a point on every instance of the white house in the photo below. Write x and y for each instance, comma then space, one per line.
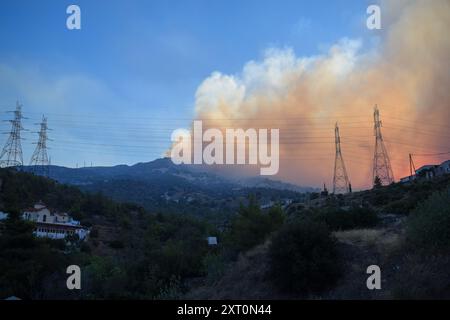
267, 205
40, 213
59, 231
55, 225
444, 168
427, 171
3, 215
212, 241
407, 179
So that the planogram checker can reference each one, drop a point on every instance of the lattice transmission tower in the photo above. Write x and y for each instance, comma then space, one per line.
340, 179
39, 159
11, 155
382, 170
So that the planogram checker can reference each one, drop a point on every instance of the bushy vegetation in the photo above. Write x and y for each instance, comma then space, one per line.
401, 206
133, 253
144, 255
26, 262
425, 251
353, 218
423, 276
251, 226
403, 198
428, 225
20, 190
303, 257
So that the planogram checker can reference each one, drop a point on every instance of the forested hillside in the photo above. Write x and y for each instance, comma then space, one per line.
305, 251
130, 253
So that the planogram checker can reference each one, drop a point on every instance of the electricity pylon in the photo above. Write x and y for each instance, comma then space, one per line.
39, 159
340, 179
381, 164
11, 155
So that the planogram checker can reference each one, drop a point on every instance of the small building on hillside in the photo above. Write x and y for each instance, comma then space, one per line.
408, 179
212, 241
3, 215
59, 231
444, 168
54, 225
427, 171
267, 205
40, 213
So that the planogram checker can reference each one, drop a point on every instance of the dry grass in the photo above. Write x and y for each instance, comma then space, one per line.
245, 279
381, 239
359, 237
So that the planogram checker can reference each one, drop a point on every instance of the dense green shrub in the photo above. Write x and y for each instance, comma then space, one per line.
401, 206
424, 277
116, 244
303, 257
214, 267
150, 250
339, 219
428, 226
26, 262
252, 226
176, 245
94, 233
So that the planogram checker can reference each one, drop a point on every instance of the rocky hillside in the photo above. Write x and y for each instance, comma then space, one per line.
408, 241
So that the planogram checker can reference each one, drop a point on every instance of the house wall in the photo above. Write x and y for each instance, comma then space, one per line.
444, 168
61, 218
59, 233
45, 218
48, 233
42, 215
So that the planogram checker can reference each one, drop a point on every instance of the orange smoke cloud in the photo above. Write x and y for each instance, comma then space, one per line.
407, 75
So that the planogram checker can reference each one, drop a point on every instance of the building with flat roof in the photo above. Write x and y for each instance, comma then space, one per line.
54, 225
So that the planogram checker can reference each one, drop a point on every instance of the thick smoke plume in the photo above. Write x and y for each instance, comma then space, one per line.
407, 74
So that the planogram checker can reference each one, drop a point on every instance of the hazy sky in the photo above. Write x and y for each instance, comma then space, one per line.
114, 90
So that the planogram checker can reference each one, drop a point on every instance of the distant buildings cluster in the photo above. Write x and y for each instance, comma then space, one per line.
284, 203
429, 171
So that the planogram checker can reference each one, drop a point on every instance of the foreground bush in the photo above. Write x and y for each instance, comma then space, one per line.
424, 277
251, 226
303, 257
425, 252
428, 226
354, 218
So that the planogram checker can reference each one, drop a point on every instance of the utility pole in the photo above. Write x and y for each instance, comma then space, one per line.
411, 165
381, 164
340, 179
11, 155
40, 159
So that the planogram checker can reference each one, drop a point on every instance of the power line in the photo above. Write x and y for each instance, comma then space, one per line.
431, 154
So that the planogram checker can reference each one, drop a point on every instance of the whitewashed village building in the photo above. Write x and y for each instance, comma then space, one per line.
429, 171
3, 215
54, 225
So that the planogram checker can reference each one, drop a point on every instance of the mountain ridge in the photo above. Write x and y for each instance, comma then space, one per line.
146, 171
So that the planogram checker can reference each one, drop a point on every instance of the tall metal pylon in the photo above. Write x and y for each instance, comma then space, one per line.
40, 159
381, 164
340, 179
11, 155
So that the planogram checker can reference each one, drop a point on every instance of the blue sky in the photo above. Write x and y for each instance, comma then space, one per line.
114, 90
